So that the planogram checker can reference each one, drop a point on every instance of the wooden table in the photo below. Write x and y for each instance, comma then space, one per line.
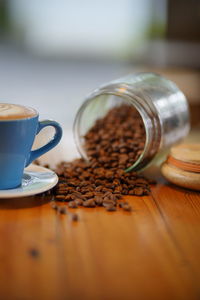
151, 253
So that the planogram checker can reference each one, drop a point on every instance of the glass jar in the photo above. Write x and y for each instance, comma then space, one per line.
161, 105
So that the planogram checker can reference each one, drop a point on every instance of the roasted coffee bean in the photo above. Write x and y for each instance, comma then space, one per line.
69, 198
146, 191
72, 204
89, 195
64, 193
127, 207
118, 196
118, 189
54, 205
98, 182
89, 203
138, 191
62, 210
141, 181
107, 194
74, 217
108, 202
113, 197
98, 200
99, 188
86, 175
77, 194
121, 204
109, 174
78, 201
131, 192
69, 188
110, 208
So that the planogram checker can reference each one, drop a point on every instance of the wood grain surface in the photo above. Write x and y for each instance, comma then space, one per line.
151, 253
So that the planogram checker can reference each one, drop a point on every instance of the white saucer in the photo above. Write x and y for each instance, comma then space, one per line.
35, 180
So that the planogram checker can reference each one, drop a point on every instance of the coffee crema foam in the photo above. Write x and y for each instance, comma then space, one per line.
15, 112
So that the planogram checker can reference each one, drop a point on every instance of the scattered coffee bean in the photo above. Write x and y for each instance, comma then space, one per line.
108, 202
74, 217
139, 191
89, 203
98, 200
111, 208
33, 252
62, 210
122, 204
72, 204
54, 205
127, 207
79, 202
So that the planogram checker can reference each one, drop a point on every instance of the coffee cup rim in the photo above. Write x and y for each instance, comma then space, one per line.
23, 118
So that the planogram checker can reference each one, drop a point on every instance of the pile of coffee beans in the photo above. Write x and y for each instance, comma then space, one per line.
83, 184
112, 144
116, 140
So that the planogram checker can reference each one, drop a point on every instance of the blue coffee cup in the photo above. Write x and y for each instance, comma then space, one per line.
16, 140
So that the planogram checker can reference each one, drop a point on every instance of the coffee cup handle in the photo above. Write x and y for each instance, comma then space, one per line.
34, 154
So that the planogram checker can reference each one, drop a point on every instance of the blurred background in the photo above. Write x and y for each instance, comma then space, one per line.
54, 52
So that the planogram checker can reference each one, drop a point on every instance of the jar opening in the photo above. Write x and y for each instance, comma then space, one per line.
97, 108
